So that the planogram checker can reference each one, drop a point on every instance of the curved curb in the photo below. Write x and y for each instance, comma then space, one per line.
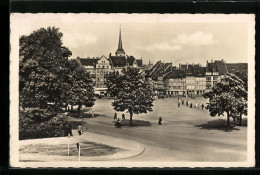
128, 149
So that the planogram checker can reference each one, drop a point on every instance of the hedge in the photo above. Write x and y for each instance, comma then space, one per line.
41, 123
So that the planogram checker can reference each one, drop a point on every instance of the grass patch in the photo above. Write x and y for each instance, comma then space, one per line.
88, 149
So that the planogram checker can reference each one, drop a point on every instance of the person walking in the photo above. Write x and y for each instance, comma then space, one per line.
92, 114
160, 121
123, 117
115, 116
202, 106
179, 104
182, 101
70, 129
190, 105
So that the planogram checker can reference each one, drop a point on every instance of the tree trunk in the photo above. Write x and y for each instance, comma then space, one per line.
131, 116
228, 121
79, 106
240, 120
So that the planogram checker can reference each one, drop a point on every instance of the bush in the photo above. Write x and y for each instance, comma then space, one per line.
41, 123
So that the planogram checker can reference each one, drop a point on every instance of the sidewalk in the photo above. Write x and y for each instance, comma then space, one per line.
126, 148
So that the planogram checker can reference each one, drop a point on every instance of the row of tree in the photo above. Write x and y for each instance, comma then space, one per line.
48, 79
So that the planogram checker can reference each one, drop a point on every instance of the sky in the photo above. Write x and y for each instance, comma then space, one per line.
167, 37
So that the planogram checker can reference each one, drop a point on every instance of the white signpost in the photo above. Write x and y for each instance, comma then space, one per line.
80, 132
68, 144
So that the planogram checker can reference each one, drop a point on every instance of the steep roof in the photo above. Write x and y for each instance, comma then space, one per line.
222, 70
211, 67
140, 62
188, 66
121, 61
176, 73
237, 67
130, 60
88, 61
118, 61
199, 71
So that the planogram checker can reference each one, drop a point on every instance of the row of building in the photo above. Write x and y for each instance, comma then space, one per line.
100, 67
189, 79
163, 78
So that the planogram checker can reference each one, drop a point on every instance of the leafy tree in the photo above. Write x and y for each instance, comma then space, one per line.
228, 95
81, 90
42, 64
130, 92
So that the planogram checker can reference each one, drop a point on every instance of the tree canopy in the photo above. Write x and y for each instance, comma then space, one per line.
81, 91
227, 96
130, 92
48, 76
43, 62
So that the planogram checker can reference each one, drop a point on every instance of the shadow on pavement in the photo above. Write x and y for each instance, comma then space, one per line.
135, 123
220, 124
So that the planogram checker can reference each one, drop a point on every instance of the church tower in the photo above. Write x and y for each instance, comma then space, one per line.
120, 51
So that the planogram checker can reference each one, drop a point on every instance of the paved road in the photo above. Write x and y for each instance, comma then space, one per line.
186, 134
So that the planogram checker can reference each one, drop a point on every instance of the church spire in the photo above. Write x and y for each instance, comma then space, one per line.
120, 51
120, 47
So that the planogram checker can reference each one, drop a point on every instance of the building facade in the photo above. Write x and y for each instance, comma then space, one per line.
100, 67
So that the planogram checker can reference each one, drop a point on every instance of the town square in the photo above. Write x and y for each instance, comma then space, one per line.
100, 90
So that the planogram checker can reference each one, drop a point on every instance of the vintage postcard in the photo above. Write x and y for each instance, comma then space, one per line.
132, 90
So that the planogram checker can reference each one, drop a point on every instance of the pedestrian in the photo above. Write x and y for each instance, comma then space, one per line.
202, 106
123, 117
182, 101
80, 129
92, 114
187, 103
160, 121
178, 104
190, 105
115, 116
118, 123
196, 105
70, 129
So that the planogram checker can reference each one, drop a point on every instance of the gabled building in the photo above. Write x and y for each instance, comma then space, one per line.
175, 83
89, 64
99, 69
217, 69
212, 73
200, 80
241, 68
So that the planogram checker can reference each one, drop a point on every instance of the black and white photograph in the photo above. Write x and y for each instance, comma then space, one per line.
132, 90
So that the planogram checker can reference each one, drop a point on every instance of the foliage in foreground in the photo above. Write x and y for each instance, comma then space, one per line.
228, 96
41, 123
130, 92
49, 81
